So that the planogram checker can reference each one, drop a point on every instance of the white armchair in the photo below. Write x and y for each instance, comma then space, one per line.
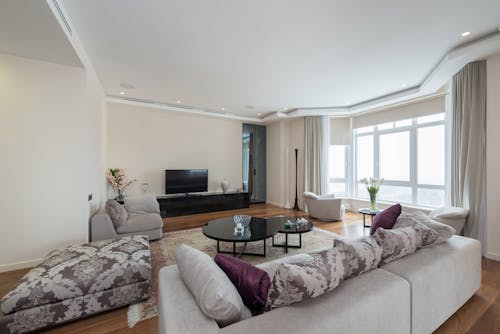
325, 207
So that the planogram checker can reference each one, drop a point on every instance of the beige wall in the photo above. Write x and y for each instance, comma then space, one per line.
44, 159
493, 158
275, 162
146, 141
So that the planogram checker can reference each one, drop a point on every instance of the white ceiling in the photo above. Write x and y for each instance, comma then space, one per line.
272, 54
28, 29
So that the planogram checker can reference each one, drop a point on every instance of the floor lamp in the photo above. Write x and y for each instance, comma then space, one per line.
296, 206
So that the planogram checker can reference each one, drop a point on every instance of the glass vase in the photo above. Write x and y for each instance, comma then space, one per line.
121, 195
373, 202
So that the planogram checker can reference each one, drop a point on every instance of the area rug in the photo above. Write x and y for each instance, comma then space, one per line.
163, 254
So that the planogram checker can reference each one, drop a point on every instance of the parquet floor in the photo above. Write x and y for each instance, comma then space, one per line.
481, 314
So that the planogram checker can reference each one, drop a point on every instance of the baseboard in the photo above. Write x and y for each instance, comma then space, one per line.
19, 265
493, 256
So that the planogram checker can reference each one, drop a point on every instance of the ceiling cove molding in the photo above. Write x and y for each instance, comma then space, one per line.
188, 110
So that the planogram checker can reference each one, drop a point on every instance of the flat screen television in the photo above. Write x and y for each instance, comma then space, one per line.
183, 181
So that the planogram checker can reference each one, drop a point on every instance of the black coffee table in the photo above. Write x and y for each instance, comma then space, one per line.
222, 229
294, 229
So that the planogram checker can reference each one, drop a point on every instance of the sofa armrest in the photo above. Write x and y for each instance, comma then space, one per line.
101, 227
178, 311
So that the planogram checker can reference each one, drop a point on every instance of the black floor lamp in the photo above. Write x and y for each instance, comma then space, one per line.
296, 206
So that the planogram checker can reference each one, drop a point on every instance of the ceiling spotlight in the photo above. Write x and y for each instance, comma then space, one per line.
122, 93
178, 101
467, 33
222, 108
404, 85
259, 114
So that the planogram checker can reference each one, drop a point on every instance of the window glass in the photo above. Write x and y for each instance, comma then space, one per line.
362, 192
394, 151
385, 126
430, 118
430, 197
395, 194
364, 156
403, 123
366, 129
337, 188
337, 157
431, 155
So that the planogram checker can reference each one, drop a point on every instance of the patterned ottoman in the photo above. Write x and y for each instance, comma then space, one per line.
79, 281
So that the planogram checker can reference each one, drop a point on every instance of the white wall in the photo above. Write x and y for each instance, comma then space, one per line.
146, 141
44, 159
493, 158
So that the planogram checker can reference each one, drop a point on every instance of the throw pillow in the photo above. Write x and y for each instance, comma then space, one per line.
251, 282
142, 204
293, 283
116, 212
361, 255
428, 235
397, 243
386, 218
445, 231
215, 294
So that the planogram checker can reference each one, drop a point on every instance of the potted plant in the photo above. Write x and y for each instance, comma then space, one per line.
372, 186
119, 181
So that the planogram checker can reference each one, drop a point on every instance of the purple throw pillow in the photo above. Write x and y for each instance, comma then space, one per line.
251, 282
386, 219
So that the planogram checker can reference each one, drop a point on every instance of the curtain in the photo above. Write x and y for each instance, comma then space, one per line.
316, 142
468, 156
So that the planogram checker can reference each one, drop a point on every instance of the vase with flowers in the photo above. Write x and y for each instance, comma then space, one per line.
372, 186
119, 181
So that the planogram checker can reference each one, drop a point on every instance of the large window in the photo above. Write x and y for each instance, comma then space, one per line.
409, 155
338, 170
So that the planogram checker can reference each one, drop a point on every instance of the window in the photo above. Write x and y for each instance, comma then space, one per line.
409, 155
337, 170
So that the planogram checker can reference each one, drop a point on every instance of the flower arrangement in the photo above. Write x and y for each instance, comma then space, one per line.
118, 180
372, 186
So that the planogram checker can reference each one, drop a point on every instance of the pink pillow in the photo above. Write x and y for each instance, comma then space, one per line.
386, 219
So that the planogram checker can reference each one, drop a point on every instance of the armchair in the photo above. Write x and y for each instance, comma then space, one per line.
325, 207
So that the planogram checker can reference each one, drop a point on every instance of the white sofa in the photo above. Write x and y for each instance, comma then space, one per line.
325, 207
415, 294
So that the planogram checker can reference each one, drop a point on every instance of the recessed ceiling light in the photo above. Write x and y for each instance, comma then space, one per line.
122, 93
178, 101
404, 85
222, 108
259, 114
467, 33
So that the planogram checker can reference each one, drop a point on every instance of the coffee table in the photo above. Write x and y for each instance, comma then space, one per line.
294, 229
222, 229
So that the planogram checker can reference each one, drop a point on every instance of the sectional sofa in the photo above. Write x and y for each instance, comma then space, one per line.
415, 294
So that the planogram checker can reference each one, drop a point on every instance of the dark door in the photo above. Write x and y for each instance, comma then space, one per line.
254, 162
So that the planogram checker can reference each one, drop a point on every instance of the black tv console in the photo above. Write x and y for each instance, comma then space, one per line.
189, 204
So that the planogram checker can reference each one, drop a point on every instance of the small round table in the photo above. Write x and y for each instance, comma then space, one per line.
222, 229
294, 229
369, 212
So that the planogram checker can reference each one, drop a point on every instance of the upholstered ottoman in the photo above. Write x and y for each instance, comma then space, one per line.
78, 281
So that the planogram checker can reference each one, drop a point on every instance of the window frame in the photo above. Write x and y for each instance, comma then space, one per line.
413, 182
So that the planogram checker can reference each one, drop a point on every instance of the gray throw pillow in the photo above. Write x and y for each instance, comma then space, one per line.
217, 297
361, 255
116, 212
445, 232
293, 283
142, 204
397, 243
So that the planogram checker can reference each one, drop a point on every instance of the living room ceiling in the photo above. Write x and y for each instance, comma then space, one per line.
249, 57
29, 29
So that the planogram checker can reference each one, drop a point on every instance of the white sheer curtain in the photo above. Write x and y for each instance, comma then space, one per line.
316, 142
468, 156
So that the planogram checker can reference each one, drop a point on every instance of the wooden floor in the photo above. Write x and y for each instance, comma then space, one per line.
481, 314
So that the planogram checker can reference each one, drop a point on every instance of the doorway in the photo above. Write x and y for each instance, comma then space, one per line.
254, 162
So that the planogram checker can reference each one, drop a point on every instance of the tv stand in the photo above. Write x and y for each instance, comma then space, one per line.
175, 205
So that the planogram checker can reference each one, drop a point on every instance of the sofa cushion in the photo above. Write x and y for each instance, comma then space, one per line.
449, 212
80, 270
251, 282
442, 278
361, 255
398, 243
142, 204
216, 295
116, 212
445, 232
141, 222
294, 283
386, 218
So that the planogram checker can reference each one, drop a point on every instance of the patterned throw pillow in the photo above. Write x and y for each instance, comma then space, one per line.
444, 232
116, 212
361, 255
397, 243
293, 283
